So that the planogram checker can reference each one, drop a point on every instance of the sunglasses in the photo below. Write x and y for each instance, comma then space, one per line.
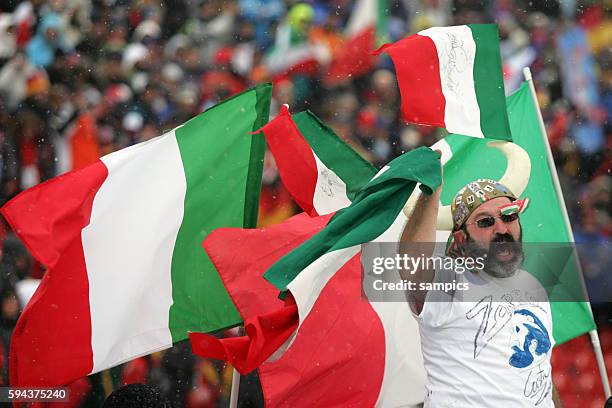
489, 221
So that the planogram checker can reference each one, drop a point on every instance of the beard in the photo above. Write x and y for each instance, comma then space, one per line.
503, 257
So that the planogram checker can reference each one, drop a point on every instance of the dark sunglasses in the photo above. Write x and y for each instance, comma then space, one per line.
489, 221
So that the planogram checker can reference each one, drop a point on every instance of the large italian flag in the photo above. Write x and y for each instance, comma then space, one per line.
467, 159
347, 348
451, 77
121, 239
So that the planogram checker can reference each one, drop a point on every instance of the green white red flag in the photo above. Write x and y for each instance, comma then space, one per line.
121, 239
292, 51
451, 77
372, 349
466, 159
320, 171
366, 28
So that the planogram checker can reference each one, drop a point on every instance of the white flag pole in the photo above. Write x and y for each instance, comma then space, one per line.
235, 388
551, 164
233, 403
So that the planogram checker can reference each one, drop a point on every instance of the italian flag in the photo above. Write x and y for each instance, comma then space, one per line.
346, 349
292, 54
121, 239
372, 348
318, 169
466, 159
366, 27
451, 77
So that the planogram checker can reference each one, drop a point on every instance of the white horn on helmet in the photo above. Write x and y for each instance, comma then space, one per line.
518, 169
516, 178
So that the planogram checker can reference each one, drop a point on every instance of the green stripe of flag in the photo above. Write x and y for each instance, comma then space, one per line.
489, 83
382, 22
223, 165
544, 214
258, 148
543, 219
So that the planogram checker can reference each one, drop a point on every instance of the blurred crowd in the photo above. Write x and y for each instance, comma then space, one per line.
82, 78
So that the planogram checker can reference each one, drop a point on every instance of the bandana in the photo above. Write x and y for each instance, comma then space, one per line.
471, 197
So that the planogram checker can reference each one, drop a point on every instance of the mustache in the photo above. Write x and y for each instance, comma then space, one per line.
501, 238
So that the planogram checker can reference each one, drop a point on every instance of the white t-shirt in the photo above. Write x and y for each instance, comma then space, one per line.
489, 346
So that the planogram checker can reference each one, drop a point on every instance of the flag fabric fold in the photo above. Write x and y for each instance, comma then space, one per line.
121, 239
451, 77
260, 249
265, 333
268, 321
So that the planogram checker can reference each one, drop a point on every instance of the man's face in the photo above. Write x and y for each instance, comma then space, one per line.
499, 242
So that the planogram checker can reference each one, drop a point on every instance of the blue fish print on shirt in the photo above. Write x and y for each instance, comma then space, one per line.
535, 338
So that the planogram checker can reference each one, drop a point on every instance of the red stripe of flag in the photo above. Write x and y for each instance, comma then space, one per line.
268, 321
418, 75
338, 355
51, 344
294, 159
264, 335
242, 276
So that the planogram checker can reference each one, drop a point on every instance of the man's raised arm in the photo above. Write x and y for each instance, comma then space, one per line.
417, 240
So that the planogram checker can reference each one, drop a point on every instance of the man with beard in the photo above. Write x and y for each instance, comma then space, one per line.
489, 345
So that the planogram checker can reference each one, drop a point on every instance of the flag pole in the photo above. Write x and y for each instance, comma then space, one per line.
235, 388
551, 164
233, 402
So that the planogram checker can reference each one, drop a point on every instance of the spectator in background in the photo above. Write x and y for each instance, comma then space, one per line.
82, 78
49, 39
136, 396
8, 38
14, 77
263, 16
9, 313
